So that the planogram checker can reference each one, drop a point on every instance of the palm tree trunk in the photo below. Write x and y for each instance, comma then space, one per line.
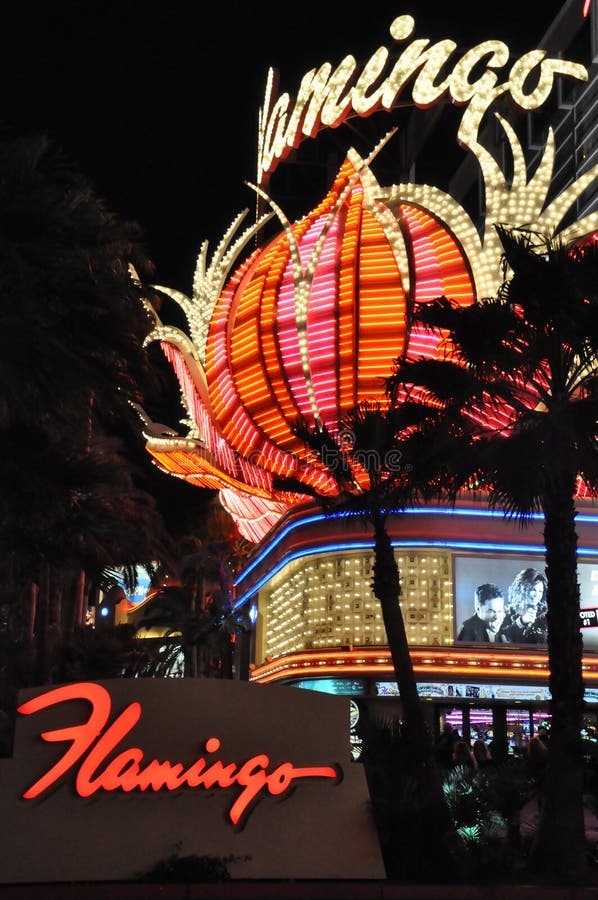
41, 625
193, 666
78, 602
559, 851
57, 605
32, 611
228, 649
387, 589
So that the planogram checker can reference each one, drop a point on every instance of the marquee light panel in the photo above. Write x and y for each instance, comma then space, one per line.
441, 663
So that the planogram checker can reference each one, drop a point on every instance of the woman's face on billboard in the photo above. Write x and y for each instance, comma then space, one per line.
535, 595
536, 592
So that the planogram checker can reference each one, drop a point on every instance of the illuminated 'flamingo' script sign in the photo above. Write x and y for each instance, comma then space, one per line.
326, 98
93, 745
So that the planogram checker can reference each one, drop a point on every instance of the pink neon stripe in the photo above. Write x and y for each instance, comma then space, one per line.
321, 327
287, 335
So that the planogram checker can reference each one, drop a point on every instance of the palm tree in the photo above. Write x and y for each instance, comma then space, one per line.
363, 458
72, 325
513, 408
94, 519
193, 605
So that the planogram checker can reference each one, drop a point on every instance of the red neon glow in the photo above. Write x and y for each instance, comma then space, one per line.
263, 368
92, 744
586, 7
432, 661
274, 353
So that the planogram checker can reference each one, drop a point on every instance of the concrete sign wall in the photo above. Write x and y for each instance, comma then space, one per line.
108, 777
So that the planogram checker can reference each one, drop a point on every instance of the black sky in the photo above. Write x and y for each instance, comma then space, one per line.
158, 106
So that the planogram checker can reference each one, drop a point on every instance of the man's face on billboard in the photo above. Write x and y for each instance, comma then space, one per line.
492, 613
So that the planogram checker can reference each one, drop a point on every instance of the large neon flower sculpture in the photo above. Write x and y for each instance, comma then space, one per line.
309, 324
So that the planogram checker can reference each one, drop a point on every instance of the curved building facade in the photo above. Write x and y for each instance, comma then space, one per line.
307, 323
319, 626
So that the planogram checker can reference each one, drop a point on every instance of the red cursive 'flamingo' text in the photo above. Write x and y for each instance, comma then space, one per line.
92, 744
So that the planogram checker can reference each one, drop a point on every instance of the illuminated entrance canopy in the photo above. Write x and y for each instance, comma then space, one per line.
327, 97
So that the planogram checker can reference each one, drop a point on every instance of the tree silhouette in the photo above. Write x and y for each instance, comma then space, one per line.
363, 456
72, 324
513, 409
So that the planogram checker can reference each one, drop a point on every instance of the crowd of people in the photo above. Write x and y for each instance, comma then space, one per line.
452, 750
517, 618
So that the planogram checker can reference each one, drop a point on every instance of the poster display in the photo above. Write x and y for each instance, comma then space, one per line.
502, 599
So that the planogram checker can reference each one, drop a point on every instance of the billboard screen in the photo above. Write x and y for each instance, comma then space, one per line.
142, 587
502, 599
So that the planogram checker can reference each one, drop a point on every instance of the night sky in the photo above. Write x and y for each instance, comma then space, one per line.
158, 107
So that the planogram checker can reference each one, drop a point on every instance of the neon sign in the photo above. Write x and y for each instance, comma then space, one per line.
93, 745
309, 324
326, 98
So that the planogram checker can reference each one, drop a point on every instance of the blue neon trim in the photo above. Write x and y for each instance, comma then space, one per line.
369, 545
275, 541
416, 510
